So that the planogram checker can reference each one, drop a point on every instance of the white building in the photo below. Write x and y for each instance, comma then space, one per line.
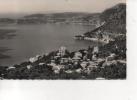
94, 57
69, 71
78, 70
111, 57
33, 59
29, 66
78, 54
41, 64
11, 67
95, 49
62, 51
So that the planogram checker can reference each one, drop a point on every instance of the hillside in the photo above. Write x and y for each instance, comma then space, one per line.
107, 61
114, 20
67, 17
57, 15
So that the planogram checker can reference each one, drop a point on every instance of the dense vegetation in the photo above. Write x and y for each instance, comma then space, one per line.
113, 69
118, 47
114, 20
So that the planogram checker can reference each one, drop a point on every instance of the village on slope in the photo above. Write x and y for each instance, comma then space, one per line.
62, 64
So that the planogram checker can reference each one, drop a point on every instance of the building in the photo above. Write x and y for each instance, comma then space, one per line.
29, 67
62, 51
10, 67
95, 50
78, 54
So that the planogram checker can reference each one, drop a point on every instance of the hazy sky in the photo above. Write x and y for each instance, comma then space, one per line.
32, 6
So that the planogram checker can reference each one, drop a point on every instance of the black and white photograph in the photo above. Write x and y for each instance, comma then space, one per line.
63, 40
68, 50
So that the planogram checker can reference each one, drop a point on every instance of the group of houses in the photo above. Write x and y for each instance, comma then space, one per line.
79, 62
104, 39
97, 35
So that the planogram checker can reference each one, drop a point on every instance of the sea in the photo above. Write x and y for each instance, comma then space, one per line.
39, 39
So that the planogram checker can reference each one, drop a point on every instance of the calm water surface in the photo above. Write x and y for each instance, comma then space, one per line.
40, 39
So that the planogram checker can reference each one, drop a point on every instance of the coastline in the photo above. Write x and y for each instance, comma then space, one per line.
82, 37
104, 62
82, 64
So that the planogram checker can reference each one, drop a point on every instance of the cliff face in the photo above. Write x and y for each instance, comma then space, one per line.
117, 13
114, 21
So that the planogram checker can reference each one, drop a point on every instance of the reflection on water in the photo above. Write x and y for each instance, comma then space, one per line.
40, 39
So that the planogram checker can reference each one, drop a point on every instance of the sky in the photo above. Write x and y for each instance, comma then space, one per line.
35, 6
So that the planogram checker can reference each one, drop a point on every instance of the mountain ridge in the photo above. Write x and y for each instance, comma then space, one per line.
114, 22
66, 17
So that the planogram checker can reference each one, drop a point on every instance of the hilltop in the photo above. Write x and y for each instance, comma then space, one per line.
65, 17
115, 19
114, 22
58, 15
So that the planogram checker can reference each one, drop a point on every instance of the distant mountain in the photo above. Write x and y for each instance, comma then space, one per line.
66, 17
58, 15
114, 18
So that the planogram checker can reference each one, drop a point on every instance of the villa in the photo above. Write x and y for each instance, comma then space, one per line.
11, 67
29, 67
78, 54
